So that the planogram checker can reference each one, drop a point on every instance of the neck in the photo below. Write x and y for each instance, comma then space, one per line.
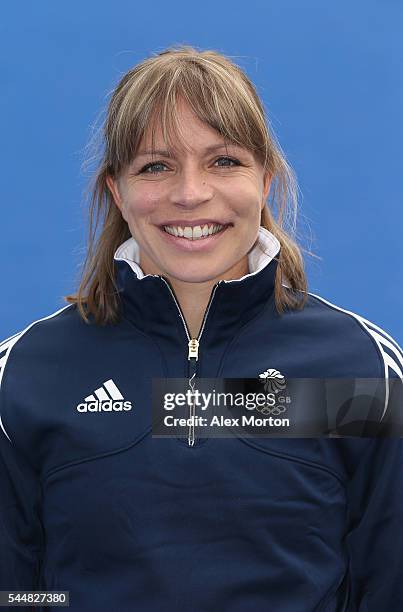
193, 298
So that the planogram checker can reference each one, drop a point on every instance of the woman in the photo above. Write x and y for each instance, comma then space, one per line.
192, 277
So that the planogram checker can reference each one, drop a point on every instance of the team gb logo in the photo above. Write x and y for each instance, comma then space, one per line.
273, 380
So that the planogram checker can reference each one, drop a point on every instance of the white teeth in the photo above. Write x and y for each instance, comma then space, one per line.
195, 233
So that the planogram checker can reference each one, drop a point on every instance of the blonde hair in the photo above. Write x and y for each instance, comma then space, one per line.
222, 96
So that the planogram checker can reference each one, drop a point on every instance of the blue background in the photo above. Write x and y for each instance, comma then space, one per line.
329, 74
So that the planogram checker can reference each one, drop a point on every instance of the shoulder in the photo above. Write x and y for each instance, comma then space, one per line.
48, 324
388, 349
28, 343
44, 326
348, 338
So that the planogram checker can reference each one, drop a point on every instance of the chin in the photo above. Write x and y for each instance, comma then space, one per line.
193, 276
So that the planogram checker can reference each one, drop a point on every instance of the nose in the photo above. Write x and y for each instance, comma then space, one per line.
190, 188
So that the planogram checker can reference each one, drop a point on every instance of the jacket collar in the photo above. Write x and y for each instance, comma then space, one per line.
149, 301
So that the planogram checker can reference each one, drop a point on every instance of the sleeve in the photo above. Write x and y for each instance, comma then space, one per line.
21, 533
391, 424
375, 534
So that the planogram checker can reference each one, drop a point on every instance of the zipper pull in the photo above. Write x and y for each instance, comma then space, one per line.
193, 349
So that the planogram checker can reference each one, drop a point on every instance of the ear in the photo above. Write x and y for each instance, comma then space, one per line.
266, 187
113, 187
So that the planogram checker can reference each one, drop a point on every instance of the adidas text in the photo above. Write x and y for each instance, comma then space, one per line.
105, 406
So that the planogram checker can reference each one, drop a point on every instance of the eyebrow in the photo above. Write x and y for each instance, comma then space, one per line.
168, 154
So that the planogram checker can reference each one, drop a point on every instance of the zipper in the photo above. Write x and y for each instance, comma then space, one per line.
192, 352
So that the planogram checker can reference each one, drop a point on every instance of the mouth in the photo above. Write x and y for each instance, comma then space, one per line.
194, 238
194, 232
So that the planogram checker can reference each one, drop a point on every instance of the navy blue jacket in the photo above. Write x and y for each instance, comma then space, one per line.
92, 504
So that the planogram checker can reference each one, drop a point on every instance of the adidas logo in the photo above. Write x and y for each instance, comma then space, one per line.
106, 398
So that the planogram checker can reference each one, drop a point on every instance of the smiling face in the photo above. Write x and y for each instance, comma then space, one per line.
200, 183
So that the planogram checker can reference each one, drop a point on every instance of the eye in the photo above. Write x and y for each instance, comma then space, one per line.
234, 161
152, 165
